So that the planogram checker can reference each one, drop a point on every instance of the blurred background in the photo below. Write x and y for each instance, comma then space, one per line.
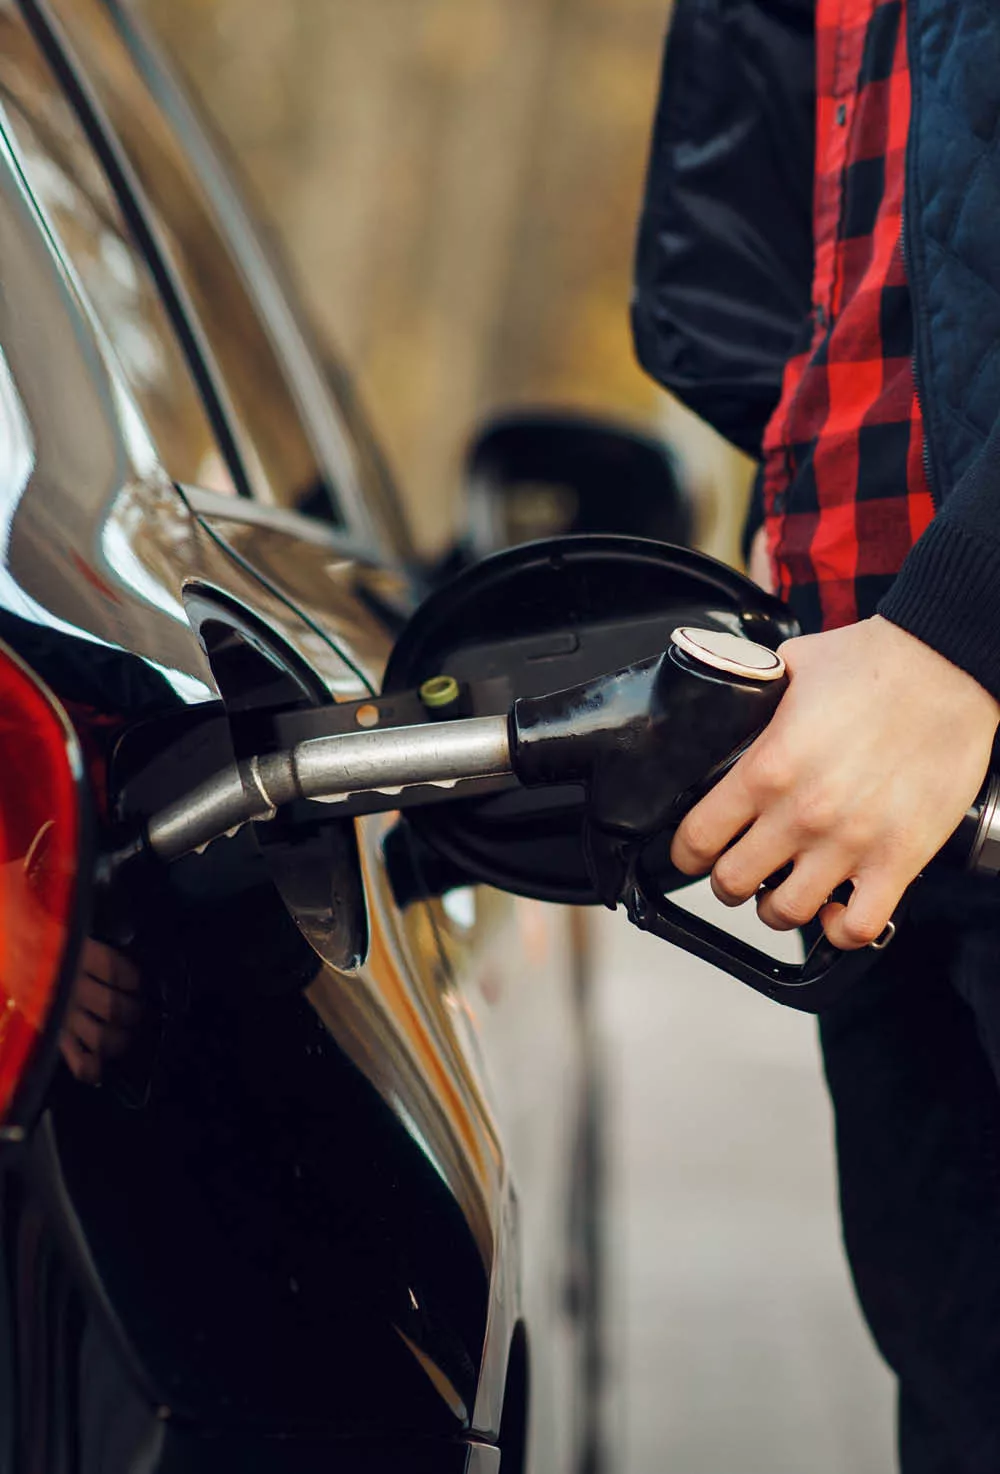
455, 186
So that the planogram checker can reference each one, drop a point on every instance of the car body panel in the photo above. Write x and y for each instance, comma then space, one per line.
312, 1200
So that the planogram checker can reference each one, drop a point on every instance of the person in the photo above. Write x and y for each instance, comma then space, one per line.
817, 275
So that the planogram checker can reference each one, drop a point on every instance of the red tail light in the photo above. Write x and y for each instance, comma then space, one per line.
40, 837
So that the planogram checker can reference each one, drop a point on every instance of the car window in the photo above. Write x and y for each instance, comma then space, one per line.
68, 183
296, 449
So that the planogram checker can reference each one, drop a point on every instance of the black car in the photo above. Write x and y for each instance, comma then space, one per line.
298, 1133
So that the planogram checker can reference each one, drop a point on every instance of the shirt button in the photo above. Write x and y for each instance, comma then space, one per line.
842, 114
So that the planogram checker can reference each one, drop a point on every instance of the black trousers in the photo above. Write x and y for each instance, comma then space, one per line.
913, 1064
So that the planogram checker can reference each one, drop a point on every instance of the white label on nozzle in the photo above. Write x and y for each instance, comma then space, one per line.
730, 653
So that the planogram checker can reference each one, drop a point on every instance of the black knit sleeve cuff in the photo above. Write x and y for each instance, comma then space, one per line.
948, 596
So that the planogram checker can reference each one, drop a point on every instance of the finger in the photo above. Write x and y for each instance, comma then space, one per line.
103, 1038
739, 873
98, 959
105, 1002
109, 966
85, 1028
83, 1065
712, 824
814, 877
865, 916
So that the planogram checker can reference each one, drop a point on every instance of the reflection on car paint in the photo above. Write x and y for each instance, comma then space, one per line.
81, 210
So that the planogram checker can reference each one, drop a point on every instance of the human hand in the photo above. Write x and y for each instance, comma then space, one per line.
866, 769
103, 1011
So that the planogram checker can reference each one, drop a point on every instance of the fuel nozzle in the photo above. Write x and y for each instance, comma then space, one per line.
643, 744
648, 741
396, 764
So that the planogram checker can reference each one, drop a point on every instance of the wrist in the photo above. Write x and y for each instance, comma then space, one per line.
947, 594
911, 659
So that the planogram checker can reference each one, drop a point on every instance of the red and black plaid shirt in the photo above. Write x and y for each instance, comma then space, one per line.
845, 493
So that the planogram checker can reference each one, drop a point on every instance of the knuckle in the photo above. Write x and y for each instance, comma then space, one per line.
769, 768
855, 834
816, 812
729, 879
796, 651
696, 842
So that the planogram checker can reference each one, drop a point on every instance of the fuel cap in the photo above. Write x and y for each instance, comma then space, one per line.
729, 653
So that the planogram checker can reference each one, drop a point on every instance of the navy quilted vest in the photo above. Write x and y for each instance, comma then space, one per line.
953, 226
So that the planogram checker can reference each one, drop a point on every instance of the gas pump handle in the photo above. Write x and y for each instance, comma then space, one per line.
811, 986
826, 973
648, 742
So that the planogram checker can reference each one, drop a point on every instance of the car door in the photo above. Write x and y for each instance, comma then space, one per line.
486, 1004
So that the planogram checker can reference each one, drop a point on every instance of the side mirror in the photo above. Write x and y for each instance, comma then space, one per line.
544, 474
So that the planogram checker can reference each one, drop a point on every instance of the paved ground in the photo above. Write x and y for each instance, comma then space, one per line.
739, 1347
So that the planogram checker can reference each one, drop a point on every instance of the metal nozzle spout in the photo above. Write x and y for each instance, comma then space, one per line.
329, 769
